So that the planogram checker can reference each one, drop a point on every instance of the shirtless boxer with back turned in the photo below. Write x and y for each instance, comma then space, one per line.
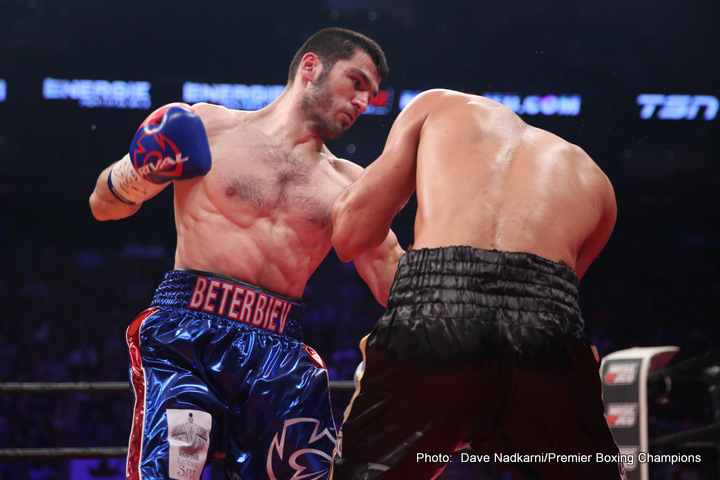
218, 363
482, 342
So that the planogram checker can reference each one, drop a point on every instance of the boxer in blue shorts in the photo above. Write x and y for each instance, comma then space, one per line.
219, 366
482, 345
208, 345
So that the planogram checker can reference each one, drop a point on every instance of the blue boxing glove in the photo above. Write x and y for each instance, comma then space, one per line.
171, 144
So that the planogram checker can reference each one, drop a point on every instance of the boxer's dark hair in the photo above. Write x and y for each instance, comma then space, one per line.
333, 44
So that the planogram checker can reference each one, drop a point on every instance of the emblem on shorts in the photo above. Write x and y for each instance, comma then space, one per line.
191, 436
301, 450
189, 439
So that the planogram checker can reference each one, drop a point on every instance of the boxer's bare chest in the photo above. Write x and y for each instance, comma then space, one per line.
256, 177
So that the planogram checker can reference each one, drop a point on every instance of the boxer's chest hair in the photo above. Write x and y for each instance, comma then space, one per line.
280, 183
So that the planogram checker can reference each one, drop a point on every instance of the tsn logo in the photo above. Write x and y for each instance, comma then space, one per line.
678, 107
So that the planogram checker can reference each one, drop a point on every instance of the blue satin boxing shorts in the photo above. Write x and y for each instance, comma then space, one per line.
219, 370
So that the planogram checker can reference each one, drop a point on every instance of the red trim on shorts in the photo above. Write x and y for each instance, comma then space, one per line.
138, 385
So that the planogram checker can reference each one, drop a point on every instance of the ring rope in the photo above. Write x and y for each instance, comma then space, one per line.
711, 432
706, 358
17, 388
108, 387
61, 453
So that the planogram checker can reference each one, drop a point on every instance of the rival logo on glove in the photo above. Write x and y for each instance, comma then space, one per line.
171, 144
158, 166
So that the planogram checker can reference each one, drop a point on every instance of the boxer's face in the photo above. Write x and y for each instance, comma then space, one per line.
339, 96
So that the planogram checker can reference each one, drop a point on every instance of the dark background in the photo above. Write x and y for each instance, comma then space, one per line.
69, 285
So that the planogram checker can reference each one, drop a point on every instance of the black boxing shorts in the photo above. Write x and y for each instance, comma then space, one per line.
485, 352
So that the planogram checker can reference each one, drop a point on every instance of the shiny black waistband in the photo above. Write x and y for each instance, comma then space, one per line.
510, 280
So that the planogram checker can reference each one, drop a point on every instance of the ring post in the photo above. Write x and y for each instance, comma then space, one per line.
625, 391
